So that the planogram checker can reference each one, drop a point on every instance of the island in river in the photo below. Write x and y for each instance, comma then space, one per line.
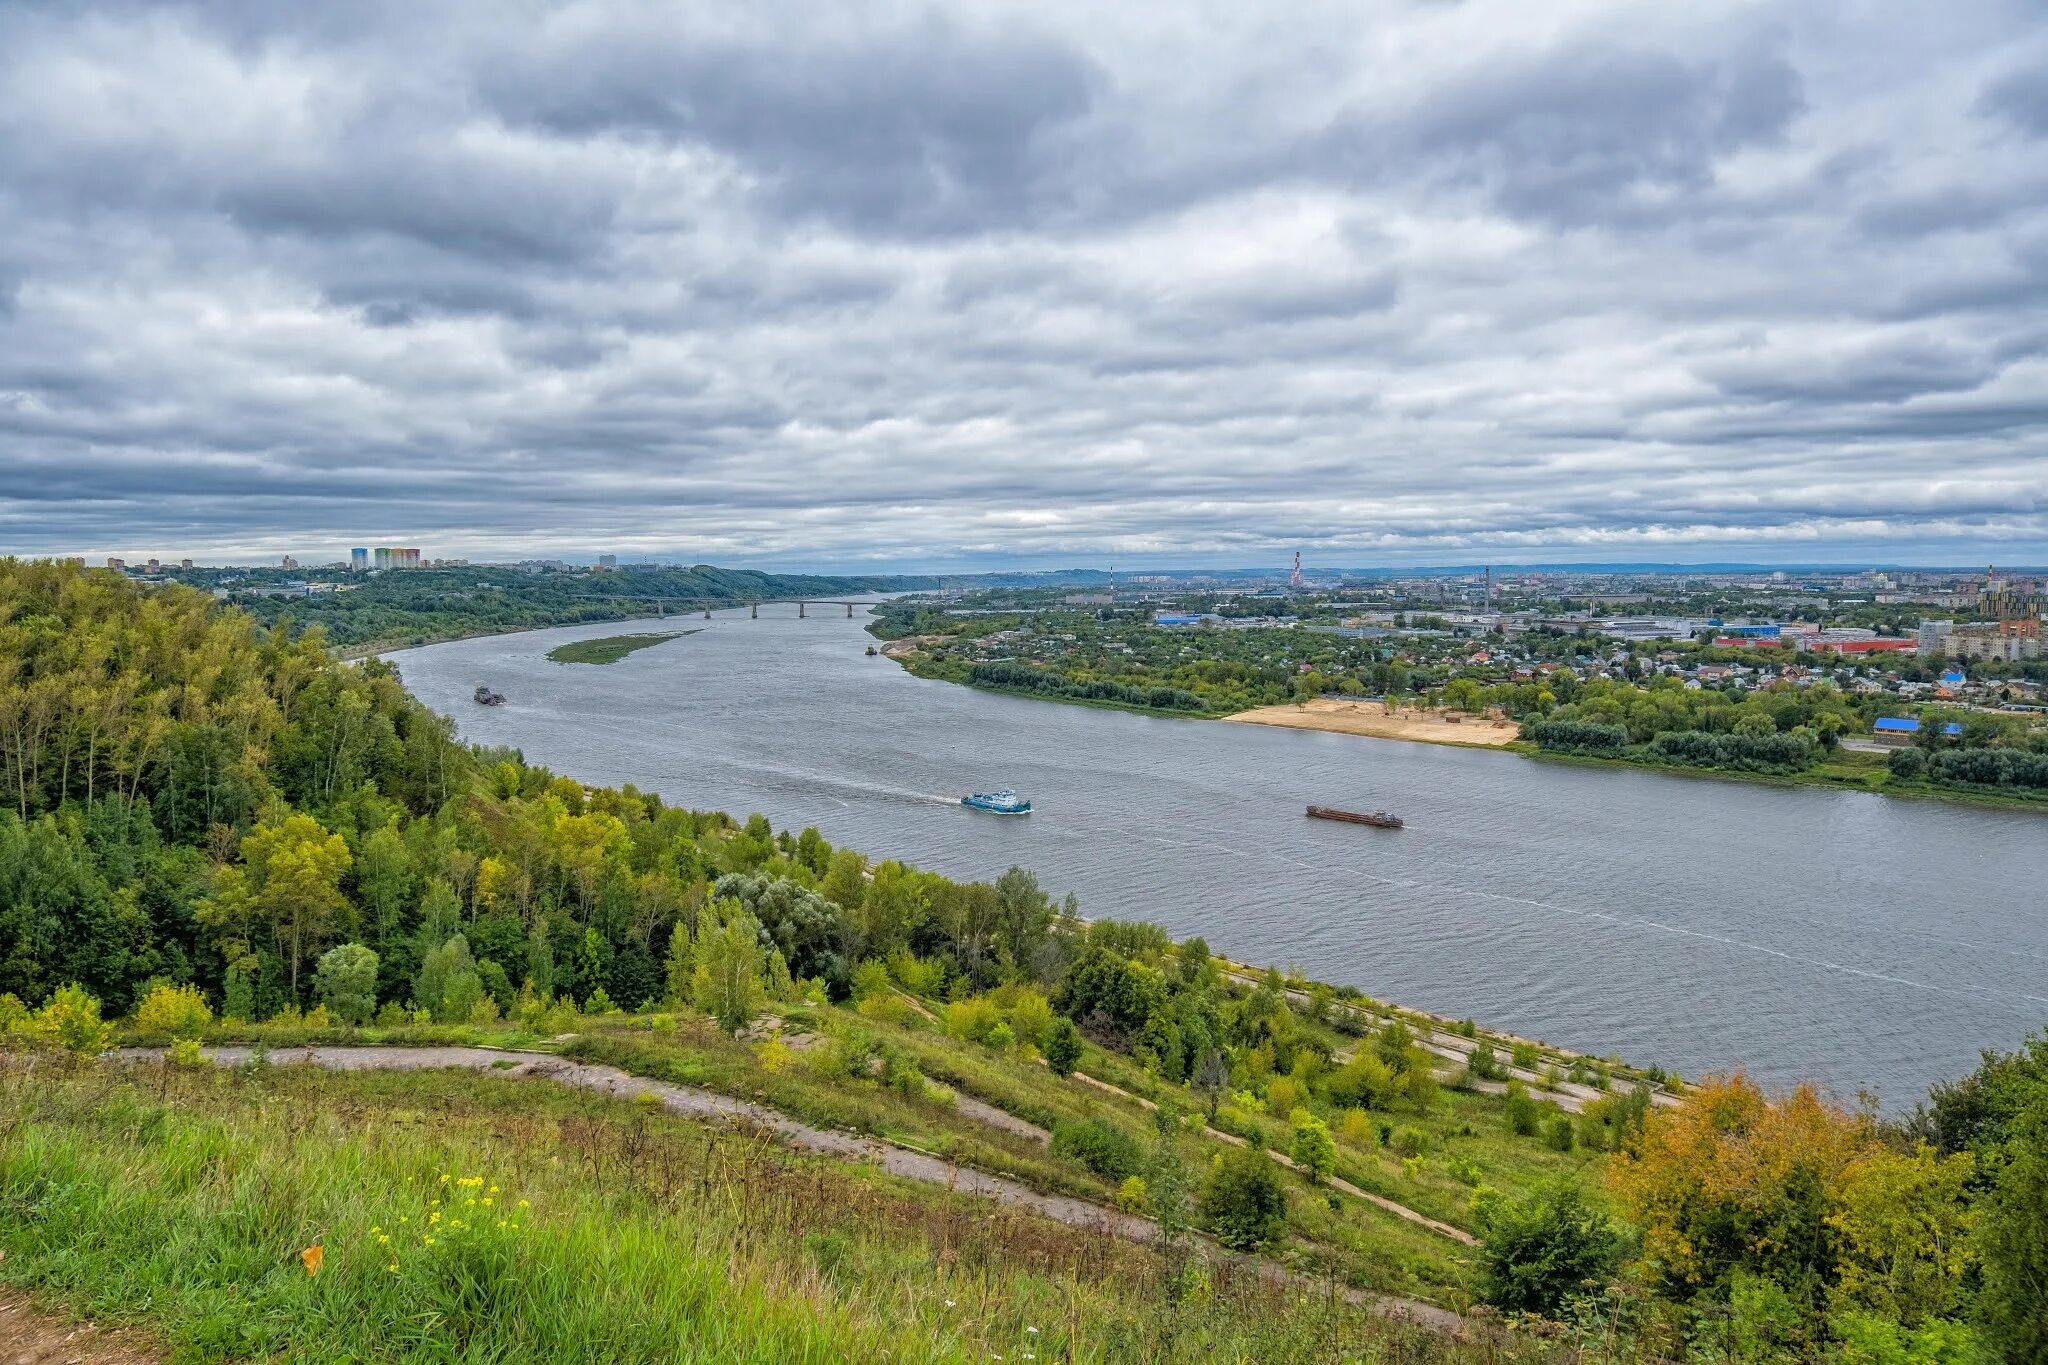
611, 648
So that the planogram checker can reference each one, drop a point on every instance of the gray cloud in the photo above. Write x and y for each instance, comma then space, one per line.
1393, 282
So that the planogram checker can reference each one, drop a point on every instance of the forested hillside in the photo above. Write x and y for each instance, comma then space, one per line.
414, 606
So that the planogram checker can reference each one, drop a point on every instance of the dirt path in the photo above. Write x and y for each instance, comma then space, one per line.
29, 1336
704, 1104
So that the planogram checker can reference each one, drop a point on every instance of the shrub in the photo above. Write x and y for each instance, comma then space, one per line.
1243, 1201
1521, 1113
346, 982
393, 1015
1524, 1056
1409, 1141
1420, 1087
1358, 1129
13, 1014
1365, 1080
1485, 1063
70, 1019
317, 1017
973, 1019
1131, 1195
173, 1012
600, 1002
1414, 1166
871, 979
1099, 1145
1557, 1133
1284, 1095
1062, 1046
888, 1007
1543, 1249
185, 1054
919, 976
775, 1054
1030, 1015
1464, 1170
1312, 1149
1000, 1039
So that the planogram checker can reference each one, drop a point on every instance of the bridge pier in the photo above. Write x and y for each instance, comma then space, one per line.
799, 611
707, 613
757, 610
849, 611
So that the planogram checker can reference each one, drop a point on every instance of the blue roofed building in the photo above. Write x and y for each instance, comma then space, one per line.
1905, 729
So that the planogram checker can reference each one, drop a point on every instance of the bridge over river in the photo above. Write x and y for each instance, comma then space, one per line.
664, 605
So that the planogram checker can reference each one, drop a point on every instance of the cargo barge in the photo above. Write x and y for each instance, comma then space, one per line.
1378, 819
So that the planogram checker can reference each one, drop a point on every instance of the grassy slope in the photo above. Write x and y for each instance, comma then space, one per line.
1360, 1243
185, 1199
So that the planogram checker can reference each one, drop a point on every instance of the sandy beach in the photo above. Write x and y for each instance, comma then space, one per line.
1373, 719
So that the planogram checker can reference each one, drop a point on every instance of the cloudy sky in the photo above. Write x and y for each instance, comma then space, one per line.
1066, 282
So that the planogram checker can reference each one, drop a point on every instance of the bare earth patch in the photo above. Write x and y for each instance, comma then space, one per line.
1374, 720
29, 1336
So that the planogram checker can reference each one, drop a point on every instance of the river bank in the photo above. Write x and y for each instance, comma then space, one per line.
1843, 770
1379, 720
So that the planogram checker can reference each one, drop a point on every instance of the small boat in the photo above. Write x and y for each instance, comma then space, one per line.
485, 697
997, 803
1378, 819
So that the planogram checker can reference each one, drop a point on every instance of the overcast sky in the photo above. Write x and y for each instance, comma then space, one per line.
1055, 283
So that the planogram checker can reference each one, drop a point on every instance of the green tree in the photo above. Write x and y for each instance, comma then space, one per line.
680, 965
1545, 1248
448, 984
1063, 1046
1313, 1149
2012, 1239
1243, 1201
290, 881
346, 982
727, 981
384, 881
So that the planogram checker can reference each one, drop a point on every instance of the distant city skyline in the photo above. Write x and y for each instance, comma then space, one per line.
1391, 283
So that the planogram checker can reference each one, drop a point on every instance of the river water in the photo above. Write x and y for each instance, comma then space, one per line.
1854, 940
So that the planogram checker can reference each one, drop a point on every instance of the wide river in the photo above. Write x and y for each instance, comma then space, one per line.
1850, 939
